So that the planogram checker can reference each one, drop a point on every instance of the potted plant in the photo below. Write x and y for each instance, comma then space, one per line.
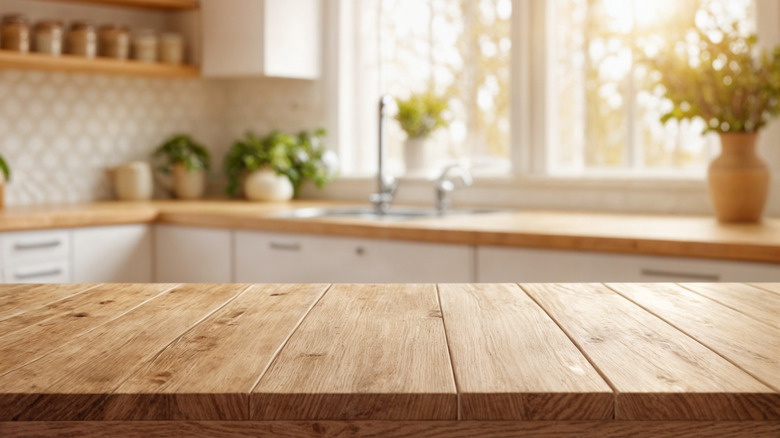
419, 116
723, 80
274, 167
5, 175
188, 162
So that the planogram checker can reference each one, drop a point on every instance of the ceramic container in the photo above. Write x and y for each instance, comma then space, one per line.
188, 185
266, 185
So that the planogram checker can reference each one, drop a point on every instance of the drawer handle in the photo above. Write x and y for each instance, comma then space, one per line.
286, 246
38, 245
681, 275
35, 274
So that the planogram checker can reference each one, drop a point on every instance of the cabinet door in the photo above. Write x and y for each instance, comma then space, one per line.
500, 264
113, 254
192, 254
291, 258
279, 38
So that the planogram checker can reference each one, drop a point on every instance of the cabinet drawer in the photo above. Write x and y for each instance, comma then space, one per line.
51, 272
291, 258
30, 247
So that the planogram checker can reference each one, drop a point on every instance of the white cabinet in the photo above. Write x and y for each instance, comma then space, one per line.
113, 254
500, 264
192, 254
36, 256
262, 257
279, 38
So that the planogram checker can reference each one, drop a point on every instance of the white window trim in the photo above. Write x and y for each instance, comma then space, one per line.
529, 186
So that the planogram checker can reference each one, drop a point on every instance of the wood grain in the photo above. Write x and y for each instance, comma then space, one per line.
746, 342
145, 4
64, 320
394, 429
749, 300
363, 352
71, 63
771, 287
19, 298
658, 372
75, 381
512, 362
690, 236
216, 364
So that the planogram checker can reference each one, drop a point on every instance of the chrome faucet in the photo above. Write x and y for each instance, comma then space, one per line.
446, 184
386, 184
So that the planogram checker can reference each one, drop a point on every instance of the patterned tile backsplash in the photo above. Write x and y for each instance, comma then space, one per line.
60, 131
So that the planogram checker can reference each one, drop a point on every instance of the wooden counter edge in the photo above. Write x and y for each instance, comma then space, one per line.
453, 429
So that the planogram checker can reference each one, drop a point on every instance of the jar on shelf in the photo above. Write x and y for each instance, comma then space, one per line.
145, 45
48, 37
114, 41
15, 33
171, 48
82, 39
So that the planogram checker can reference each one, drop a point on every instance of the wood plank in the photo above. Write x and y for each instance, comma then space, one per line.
363, 352
771, 287
749, 300
19, 298
144, 4
397, 429
62, 321
69, 63
75, 381
659, 373
512, 362
750, 344
213, 367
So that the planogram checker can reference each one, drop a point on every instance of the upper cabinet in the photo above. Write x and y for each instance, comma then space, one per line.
151, 4
276, 38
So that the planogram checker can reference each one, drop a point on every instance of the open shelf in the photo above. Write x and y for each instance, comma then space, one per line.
36, 61
171, 5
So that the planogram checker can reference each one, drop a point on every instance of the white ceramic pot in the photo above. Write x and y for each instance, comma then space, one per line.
266, 185
416, 155
133, 181
188, 185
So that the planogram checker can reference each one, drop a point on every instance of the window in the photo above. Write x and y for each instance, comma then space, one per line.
604, 108
590, 96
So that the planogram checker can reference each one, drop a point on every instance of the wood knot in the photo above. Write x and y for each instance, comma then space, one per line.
80, 315
312, 354
278, 295
106, 301
434, 314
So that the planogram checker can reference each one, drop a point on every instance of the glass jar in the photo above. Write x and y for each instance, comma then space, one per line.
171, 48
145, 45
48, 37
82, 39
114, 41
15, 33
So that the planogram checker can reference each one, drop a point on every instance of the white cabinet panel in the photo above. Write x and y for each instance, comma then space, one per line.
41, 272
291, 258
501, 264
25, 247
192, 254
279, 38
113, 254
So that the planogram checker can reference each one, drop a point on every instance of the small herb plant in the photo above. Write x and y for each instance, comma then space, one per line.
299, 157
719, 76
182, 149
421, 114
5, 169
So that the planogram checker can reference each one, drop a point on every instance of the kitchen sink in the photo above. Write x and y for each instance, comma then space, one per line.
395, 214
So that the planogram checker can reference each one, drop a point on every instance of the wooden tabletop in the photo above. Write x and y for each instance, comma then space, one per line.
667, 235
384, 353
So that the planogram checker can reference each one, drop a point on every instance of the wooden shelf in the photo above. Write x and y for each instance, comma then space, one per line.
171, 5
37, 61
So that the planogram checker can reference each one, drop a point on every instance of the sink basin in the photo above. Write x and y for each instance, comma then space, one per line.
395, 214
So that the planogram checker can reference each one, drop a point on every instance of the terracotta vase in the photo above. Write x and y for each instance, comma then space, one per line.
738, 179
186, 184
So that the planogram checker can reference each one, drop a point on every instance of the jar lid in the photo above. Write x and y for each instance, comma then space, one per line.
15, 18
48, 24
82, 25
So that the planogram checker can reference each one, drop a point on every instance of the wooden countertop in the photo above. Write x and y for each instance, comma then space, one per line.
684, 236
449, 359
